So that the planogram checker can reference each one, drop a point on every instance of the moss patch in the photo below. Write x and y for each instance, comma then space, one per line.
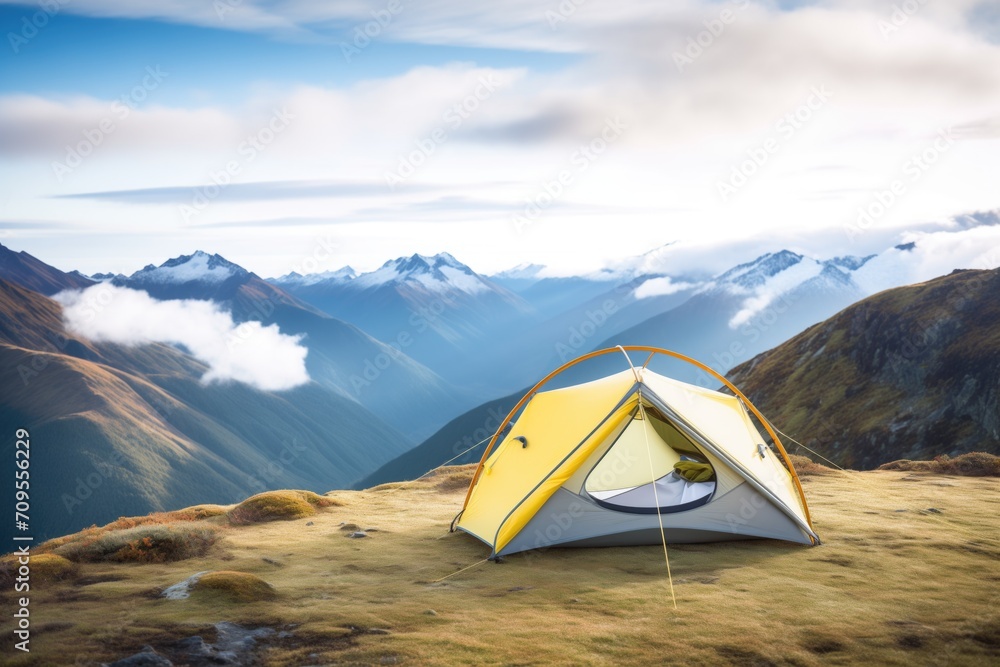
188, 514
237, 586
142, 544
44, 568
277, 506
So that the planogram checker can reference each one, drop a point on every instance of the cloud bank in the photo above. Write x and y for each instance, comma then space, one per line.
260, 356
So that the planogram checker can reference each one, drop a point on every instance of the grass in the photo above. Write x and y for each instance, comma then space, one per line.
45, 568
235, 586
893, 584
806, 467
277, 506
141, 544
973, 464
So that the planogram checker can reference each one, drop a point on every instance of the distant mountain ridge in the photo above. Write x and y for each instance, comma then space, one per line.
341, 356
721, 321
440, 311
26, 270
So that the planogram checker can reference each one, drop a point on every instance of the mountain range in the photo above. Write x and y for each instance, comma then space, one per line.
416, 351
444, 314
116, 429
747, 310
342, 357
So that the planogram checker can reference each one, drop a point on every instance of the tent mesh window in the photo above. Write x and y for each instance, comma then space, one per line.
651, 451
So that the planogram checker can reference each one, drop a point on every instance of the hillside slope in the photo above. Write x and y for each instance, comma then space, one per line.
385, 379
148, 435
455, 442
29, 271
893, 584
912, 372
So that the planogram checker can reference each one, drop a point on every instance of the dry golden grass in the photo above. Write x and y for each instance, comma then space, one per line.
147, 543
973, 464
195, 513
805, 466
893, 584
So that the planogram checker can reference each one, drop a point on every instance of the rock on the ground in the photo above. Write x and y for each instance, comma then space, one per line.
147, 657
234, 645
182, 589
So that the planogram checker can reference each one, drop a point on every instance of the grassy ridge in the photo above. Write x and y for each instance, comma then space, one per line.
906, 575
907, 373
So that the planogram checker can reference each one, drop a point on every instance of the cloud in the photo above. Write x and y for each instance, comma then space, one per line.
687, 130
260, 356
33, 125
661, 287
256, 191
931, 255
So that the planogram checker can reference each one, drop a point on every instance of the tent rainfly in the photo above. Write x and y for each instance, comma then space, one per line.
616, 461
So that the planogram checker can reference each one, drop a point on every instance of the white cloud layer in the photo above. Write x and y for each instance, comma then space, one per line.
690, 128
260, 356
661, 287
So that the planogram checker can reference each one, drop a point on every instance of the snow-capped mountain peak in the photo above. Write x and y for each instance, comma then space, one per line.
850, 262
523, 271
439, 273
755, 274
197, 267
342, 275
102, 277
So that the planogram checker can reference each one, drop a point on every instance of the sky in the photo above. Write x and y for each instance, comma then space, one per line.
292, 134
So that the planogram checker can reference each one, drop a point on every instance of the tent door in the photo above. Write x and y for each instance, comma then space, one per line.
633, 477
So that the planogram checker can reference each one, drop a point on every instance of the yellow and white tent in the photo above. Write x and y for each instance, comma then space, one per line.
630, 459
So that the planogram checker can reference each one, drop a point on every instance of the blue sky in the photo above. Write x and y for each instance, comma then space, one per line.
100, 57
504, 133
